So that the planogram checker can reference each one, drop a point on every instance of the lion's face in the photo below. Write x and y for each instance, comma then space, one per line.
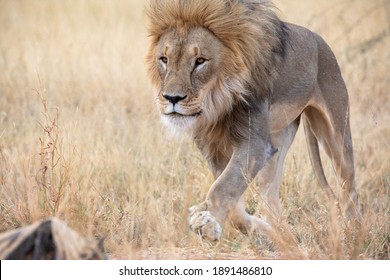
189, 67
205, 56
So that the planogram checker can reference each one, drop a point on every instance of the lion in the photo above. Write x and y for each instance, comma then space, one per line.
239, 81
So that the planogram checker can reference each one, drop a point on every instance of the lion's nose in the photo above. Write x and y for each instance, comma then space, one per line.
174, 99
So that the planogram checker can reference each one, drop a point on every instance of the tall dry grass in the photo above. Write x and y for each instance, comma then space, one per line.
80, 139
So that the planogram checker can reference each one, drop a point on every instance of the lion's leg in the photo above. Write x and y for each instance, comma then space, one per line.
248, 157
270, 180
247, 223
271, 176
333, 132
200, 219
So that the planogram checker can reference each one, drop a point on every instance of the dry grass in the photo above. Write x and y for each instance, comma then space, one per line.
80, 139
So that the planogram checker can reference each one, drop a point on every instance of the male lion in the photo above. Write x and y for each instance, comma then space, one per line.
239, 80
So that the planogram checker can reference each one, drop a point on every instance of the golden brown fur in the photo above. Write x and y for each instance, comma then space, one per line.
226, 20
239, 80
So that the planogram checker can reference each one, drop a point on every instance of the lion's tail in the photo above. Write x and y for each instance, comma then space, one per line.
315, 158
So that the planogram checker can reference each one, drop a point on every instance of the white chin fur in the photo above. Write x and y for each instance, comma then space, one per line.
179, 125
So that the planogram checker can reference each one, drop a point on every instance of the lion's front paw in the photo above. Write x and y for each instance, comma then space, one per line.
205, 224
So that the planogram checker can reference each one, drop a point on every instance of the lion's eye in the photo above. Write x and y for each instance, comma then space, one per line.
200, 61
164, 59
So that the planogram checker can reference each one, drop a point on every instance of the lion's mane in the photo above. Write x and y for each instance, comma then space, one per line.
255, 38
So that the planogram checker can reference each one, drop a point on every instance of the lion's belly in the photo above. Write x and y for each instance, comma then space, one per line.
282, 115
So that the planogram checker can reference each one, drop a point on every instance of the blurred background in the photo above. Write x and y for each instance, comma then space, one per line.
80, 138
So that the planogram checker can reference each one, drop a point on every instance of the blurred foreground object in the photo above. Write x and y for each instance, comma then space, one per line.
50, 239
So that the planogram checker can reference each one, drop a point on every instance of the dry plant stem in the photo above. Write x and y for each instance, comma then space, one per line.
51, 187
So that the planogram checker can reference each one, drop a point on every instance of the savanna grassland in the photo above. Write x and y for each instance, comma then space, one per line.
80, 138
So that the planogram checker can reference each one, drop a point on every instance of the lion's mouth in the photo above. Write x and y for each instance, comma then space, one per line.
180, 115
183, 122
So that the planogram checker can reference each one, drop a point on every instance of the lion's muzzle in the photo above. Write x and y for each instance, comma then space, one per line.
174, 99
